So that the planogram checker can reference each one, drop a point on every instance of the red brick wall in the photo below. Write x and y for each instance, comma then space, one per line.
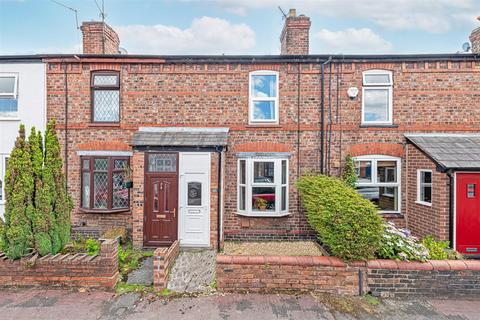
428, 97
69, 270
163, 259
424, 220
99, 38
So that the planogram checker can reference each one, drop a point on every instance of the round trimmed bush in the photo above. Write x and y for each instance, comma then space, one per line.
346, 223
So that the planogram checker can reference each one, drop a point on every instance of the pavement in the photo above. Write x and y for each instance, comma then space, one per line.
71, 304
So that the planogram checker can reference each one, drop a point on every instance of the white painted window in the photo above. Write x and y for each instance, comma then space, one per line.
424, 187
3, 171
377, 97
263, 97
263, 187
8, 94
379, 181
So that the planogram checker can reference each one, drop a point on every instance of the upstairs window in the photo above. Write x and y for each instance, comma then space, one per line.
424, 187
263, 187
379, 181
377, 97
105, 97
8, 95
263, 97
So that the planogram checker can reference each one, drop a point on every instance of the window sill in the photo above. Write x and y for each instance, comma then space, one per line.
263, 125
104, 124
378, 125
427, 204
98, 211
9, 119
263, 215
391, 214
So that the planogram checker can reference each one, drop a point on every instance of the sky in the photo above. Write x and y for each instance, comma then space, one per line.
241, 26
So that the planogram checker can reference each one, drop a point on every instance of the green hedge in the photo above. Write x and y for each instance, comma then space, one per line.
346, 223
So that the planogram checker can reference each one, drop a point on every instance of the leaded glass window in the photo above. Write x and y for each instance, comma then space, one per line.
105, 97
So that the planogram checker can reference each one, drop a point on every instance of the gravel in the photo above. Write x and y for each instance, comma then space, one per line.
272, 248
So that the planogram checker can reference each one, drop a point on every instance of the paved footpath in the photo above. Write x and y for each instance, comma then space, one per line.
62, 304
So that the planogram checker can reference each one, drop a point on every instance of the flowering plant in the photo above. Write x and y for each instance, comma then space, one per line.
399, 244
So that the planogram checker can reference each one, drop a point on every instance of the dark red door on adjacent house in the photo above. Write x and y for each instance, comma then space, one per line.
468, 213
161, 212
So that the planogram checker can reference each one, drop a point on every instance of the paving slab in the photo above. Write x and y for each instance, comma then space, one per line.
143, 275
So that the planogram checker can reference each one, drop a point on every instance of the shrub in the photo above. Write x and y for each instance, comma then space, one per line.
399, 244
346, 223
440, 250
92, 246
349, 176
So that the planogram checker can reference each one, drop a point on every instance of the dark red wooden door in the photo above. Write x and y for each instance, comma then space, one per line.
161, 210
468, 213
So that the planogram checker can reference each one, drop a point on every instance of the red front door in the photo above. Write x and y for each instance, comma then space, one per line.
468, 213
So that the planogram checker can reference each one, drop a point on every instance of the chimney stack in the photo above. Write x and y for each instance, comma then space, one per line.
99, 38
475, 39
295, 34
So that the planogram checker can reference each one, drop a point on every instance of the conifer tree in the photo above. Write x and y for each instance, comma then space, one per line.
349, 176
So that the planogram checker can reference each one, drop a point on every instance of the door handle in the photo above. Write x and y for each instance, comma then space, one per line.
174, 212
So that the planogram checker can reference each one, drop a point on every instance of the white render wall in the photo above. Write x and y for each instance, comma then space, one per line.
31, 107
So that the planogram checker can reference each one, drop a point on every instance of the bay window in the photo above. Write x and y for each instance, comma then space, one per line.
263, 187
377, 97
263, 97
103, 183
378, 180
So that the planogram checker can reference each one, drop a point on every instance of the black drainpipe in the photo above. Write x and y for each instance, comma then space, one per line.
219, 197
451, 205
322, 114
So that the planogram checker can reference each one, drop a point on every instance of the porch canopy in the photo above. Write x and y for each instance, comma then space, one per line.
180, 137
449, 151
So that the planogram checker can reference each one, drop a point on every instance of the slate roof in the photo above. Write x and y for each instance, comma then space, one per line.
450, 151
180, 137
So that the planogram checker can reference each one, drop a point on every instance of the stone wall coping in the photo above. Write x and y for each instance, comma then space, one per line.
439, 265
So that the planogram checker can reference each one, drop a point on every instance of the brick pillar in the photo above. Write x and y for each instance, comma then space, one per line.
138, 197
99, 38
294, 38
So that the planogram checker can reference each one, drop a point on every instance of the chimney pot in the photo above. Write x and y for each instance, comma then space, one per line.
294, 38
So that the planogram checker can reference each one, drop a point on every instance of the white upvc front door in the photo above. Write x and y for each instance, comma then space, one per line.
194, 199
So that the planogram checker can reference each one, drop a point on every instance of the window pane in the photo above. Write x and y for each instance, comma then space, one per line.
284, 198
243, 172
194, 195
242, 198
377, 78
471, 190
264, 86
101, 165
8, 105
363, 170
264, 110
385, 198
86, 190
263, 198
263, 172
100, 190
426, 177
105, 80
7, 85
106, 105
162, 162
426, 193
376, 105
386, 171
120, 193
284, 171
85, 164
119, 164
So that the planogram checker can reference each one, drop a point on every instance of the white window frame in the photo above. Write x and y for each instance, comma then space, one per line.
249, 184
251, 98
374, 159
421, 184
3, 168
15, 87
382, 86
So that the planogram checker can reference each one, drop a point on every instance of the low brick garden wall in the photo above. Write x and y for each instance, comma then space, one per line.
70, 270
163, 259
386, 278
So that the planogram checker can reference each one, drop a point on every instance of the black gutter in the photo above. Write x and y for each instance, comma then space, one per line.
451, 207
322, 114
255, 58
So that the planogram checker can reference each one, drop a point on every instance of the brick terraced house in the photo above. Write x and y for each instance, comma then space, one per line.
208, 148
